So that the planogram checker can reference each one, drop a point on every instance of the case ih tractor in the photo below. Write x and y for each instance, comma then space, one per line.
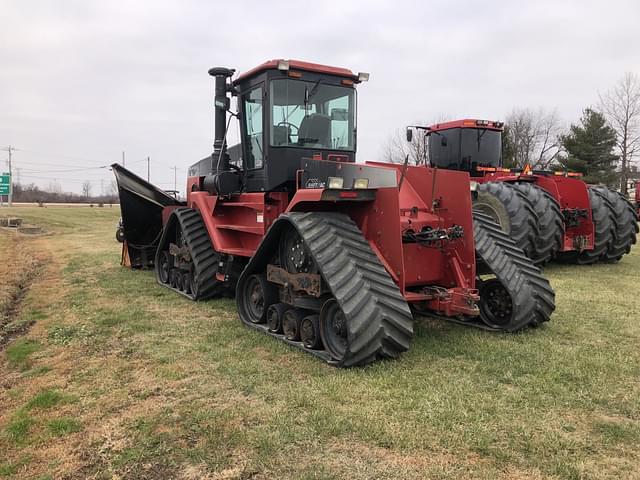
548, 214
323, 253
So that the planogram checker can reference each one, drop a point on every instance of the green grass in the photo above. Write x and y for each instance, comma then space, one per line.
18, 353
59, 427
170, 388
46, 399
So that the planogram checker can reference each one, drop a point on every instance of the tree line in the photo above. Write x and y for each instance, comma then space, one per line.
603, 144
31, 193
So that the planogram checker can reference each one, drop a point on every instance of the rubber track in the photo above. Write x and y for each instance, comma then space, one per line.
550, 223
379, 321
522, 216
204, 257
531, 294
625, 224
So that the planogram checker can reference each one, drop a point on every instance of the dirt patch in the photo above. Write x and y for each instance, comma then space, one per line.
19, 269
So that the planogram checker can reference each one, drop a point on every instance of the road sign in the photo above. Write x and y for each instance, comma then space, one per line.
5, 184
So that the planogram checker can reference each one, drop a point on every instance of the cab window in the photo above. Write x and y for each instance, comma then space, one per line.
253, 111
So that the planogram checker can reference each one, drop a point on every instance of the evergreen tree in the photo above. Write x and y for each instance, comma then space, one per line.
589, 148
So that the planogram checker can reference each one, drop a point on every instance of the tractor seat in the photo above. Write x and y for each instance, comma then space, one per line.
315, 131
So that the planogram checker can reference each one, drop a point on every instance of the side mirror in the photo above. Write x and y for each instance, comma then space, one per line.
409, 134
443, 141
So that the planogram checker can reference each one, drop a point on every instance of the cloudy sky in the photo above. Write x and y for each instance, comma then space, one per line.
81, 81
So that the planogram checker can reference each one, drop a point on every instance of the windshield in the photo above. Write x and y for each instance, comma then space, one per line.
312, 115
480, 148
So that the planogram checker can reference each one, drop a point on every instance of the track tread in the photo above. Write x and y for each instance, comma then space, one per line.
380, 323
205, 259
532, 297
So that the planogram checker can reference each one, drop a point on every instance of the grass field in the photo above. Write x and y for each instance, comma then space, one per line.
118, 378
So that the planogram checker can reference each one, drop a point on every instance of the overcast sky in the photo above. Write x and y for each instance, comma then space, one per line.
81, 81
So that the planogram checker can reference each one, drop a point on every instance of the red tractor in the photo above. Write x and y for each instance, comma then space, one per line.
548, 214
323, 253
637, 195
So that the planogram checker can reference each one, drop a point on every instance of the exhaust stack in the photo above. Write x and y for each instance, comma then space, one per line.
219, 158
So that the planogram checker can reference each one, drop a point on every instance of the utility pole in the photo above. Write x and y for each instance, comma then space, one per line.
123, 159
148, 167
175, 178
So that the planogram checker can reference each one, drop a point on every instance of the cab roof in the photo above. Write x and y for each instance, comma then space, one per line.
469, 123
298, 65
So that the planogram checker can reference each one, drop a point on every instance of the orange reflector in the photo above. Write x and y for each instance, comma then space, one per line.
346, 81
486, 169
348, 195
558, 173
469, 123
574, 174
504, 170
294, 74
527, 170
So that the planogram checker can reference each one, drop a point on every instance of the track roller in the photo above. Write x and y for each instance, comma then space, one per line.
275, 315
310, 332
291, 321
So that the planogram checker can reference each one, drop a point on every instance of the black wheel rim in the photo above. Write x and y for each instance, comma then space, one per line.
165, 267
290, 325
496, 304
333, 329
186, 282
294, 255
308, 333
254, 300
274, 320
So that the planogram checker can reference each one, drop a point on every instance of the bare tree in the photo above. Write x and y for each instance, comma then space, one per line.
54, 187
86, 188
397, 148
532, 137
621, 106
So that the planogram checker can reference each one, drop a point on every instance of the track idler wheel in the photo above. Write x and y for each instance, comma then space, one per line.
291, 321
496, 306
275, 313
333, 329
310, 332
257, 296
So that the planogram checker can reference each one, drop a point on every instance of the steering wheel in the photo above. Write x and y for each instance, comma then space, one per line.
284, 123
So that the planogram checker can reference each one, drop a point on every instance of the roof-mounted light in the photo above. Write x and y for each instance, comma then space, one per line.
283, 65
363, 77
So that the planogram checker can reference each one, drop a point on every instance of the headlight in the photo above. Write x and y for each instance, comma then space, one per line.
361, 183
335, 182
474, 186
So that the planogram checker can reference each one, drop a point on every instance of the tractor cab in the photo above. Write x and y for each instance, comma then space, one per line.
472, 146
287, 110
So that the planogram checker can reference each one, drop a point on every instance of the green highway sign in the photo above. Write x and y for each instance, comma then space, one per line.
5, 184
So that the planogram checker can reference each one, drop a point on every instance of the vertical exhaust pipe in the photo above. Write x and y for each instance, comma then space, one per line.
220, 159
